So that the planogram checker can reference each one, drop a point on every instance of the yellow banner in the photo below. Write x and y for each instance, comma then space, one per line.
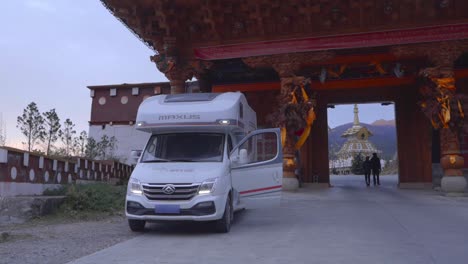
283, 136
310, 120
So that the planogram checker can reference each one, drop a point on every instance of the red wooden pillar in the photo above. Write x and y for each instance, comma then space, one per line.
317, 162
414, 145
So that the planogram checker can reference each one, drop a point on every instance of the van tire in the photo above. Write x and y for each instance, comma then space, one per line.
223, 225
136, 225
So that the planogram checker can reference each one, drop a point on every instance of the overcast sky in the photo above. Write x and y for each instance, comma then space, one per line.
50, 50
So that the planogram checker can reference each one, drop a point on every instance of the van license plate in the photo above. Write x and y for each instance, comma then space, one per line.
167, 209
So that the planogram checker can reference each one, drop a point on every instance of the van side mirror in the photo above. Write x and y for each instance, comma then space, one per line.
135, 155
243, 157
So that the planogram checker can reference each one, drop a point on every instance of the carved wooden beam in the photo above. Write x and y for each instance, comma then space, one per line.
166, 16
287, 65
209, 17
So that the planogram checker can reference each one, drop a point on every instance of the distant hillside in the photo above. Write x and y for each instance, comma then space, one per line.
384, 137
382, 122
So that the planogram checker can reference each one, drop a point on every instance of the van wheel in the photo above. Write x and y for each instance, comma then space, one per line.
136, 225
223, 225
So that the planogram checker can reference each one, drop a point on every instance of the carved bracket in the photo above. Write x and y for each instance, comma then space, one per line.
441, 54
175, 69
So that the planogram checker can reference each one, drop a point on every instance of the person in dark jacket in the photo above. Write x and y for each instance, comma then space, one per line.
376, 168
367, 166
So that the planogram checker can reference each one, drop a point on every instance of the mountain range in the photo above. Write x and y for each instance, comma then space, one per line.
384, 137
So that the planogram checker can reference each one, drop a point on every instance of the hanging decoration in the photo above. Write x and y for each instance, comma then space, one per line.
441, 104
297, 114
398, 71
378, 67
309, 121
337, 74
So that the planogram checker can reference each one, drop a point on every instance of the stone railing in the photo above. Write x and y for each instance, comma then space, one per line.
25, 173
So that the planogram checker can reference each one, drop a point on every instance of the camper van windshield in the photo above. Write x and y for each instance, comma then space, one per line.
185, 147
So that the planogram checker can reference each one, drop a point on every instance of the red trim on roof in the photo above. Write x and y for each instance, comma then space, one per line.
334, 42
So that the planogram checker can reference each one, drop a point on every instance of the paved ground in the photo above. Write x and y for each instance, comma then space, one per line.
349, 223
55, 241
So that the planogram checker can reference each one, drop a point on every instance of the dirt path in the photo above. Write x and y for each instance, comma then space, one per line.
59, 241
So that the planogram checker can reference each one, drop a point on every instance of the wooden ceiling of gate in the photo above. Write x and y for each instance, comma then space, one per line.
206, 23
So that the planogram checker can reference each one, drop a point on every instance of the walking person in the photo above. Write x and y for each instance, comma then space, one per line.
376, 168
367, 166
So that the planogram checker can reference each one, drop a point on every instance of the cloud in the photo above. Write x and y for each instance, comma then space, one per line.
41, 5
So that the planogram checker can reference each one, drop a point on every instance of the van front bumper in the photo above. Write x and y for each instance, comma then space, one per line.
199, 208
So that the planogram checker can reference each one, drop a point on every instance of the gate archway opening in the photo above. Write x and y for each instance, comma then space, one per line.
356, 131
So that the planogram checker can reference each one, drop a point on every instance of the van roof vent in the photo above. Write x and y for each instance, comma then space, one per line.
190, 97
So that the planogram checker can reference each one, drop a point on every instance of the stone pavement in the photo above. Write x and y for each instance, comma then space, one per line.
349, 223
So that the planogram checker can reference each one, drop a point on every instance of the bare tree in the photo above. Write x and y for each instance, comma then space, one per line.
81, 143
52, 129
67, 135
103, 146
2, 131
31, 125
112, 147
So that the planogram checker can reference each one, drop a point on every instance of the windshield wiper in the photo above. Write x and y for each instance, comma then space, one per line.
156, 160
182, 160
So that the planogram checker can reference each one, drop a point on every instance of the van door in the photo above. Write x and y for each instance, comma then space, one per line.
257, 168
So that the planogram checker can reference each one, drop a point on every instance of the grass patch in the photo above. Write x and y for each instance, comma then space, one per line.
99, 197
59, 191
90, 201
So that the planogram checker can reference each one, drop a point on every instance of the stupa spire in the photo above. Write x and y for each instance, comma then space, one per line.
356, 115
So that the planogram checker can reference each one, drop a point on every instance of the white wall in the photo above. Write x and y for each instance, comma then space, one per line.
128, 139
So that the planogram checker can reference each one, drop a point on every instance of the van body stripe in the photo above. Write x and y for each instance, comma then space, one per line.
262, 189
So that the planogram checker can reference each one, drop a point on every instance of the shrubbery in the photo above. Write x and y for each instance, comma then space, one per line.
90, 198
60, 191
357, 165
99, 197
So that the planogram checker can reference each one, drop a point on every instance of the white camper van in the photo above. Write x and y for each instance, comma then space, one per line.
203, 161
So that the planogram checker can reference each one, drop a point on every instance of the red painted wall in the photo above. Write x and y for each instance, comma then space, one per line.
78, 169
114, 110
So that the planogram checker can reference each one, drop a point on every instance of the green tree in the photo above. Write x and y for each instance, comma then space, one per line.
106, 147
357, 165
91, 149
67, 135
52, 129
31, 124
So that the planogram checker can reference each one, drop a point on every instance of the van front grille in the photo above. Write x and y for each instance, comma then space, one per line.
183, 191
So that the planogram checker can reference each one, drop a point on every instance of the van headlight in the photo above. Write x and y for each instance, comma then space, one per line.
207, 186
135, 187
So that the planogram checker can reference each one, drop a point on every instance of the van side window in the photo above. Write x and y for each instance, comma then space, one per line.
259, 148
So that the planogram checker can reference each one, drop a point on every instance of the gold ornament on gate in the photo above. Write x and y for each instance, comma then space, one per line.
453, 159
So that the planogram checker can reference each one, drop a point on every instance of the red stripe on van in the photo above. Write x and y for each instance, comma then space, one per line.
262, 189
